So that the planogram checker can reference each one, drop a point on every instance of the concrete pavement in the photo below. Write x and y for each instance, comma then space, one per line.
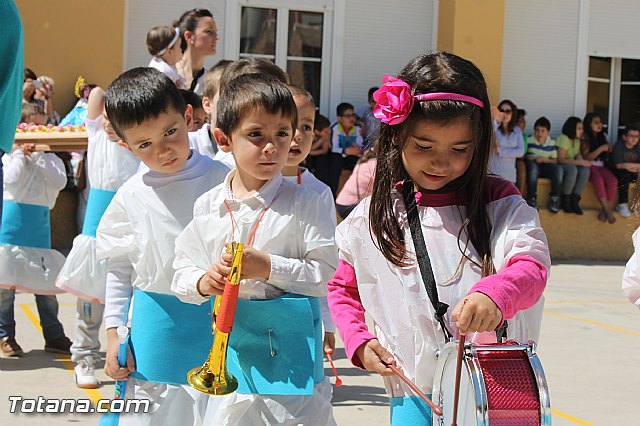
590, 350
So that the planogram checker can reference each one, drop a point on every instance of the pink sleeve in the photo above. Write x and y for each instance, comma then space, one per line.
516, 287
347, 310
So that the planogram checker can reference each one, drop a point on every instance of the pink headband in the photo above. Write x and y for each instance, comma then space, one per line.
394, 101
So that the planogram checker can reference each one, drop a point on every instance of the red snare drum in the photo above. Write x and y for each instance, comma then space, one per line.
500, 385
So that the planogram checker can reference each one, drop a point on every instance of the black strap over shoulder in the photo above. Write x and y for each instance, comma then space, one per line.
424, 263
423, 257
196, 77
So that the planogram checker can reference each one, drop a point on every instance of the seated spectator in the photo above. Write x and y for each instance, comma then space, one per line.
359, 184
346, 144
370, 124
576, 169
317, 161
542, 161
595, 148
509, 141
625, 163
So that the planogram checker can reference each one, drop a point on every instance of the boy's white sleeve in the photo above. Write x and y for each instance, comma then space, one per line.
327, 319
118, 293
631, 276
190, 263
51, 167
14, 167
310, 274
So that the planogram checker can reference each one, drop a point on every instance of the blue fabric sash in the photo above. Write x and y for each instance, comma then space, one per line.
25, 225
168, 337
99, 200
275, 347
410, 411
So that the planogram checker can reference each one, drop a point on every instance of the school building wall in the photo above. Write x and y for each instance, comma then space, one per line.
65, 39
380, 37
546, 49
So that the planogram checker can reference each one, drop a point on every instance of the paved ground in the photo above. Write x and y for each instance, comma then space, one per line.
590, 350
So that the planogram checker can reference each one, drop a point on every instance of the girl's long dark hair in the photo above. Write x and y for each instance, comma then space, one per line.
437, 72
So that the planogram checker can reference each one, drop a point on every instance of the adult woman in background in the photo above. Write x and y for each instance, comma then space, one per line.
509, 141
199, 38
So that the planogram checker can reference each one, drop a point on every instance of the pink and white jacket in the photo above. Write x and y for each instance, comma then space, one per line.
396, 299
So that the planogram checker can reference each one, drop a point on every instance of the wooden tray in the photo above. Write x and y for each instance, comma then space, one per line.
54, 141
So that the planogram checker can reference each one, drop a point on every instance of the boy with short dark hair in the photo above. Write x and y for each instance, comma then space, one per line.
542, 161
137, 235
626, 165
346, 144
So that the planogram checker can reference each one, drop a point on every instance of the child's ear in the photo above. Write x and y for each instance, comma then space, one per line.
222, 140
188, 115
206, 105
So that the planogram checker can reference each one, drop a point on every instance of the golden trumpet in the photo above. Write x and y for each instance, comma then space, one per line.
213, 377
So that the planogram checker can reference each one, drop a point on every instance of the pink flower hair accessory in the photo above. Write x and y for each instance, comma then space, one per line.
394, 101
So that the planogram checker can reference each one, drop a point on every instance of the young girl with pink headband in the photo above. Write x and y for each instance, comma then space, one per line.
482, 256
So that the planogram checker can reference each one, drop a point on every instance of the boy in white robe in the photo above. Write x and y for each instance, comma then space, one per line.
136, 235
275, 348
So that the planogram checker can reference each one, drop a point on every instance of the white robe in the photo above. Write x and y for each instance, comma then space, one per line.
298, 234
412, 334
137, 235
202, 141
314, 184
109, 165
631, 276
36, 179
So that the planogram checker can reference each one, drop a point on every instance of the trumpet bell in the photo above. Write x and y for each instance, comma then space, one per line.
210, 383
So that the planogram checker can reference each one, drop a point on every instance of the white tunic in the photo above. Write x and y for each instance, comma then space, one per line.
631, 276
298, 234
310, 182
412, 334
137, 235
170, 71
36, 179
109, 165
202, 141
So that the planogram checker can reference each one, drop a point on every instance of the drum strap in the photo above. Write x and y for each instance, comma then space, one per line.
423, 257
424, 262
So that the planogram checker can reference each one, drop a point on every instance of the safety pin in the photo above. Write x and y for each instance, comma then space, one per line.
273, 351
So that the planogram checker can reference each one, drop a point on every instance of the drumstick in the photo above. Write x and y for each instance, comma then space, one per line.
437, 410
456, 395
338, 380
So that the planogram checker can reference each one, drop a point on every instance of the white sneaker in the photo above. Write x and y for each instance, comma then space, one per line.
85, 374
623, 209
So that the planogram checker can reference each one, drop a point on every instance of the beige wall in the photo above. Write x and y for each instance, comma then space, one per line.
67, 38
473, 29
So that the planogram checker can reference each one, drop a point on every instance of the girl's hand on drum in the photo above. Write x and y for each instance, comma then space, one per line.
375, 358
476, 313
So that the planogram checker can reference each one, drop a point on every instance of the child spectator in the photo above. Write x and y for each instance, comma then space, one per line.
197, 111
370, 124
542, 161
109, 166
285, 262
595, 148
317, 161
489, 255
137, 235
626, 165
32, 181
509, 141
162, 44
359, 184
346, 145
576, 169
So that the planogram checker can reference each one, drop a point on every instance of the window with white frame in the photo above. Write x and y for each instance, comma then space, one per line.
294, 36
614, 92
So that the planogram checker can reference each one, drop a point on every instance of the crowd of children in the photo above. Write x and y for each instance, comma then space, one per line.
182, 162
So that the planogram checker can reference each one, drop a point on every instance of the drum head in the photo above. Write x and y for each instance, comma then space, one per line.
444, 389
